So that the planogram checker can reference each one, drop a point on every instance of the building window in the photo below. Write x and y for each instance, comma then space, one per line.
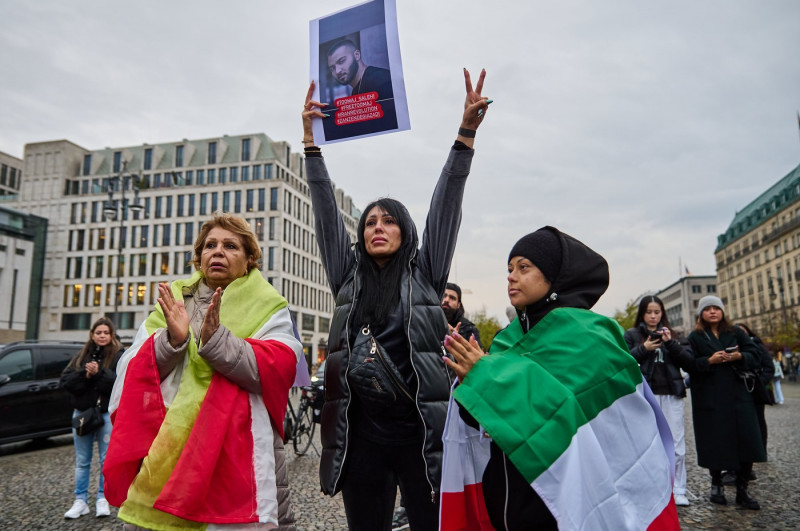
212, 152
223, 175
212, 176
245, 173
178, 156
245, 149
87, 165
117, 161
201, 177
148, 159
257, 173
234, 174
711, 288
273, 199
249, 205
76, 321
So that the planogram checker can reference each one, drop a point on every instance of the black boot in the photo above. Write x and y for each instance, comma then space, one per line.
718, 495
744, 499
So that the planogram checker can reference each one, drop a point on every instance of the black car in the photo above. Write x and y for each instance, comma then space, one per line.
32, 405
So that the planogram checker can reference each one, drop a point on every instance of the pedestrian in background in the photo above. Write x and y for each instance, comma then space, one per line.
90, 376
661, 357
386, 386
726, 429
777, 376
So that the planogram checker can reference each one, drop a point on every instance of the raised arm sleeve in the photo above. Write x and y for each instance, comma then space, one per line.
444, 219
332, 237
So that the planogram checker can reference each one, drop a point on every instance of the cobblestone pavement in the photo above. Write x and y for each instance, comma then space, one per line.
36, 482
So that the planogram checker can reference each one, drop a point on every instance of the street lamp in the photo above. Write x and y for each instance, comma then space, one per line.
773, 295
111, 209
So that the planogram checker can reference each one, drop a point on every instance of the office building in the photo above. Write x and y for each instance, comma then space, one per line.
10, 174
106, 253
22, 249
681, 297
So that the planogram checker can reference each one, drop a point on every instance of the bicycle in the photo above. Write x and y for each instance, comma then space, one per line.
300, 426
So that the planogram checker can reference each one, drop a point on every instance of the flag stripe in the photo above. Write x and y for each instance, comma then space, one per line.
567, 393
617, 499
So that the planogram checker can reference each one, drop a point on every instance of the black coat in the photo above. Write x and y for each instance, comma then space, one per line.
724, 412
467, 328
85, 391
674, 356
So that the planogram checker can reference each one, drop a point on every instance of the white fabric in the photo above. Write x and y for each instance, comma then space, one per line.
673, 408
590, 487
263, 462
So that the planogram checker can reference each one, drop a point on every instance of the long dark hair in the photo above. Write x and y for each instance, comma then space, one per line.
109, 351
644, 303
380, 286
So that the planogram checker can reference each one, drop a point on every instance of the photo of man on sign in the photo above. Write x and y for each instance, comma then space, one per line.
371, 94
356, 63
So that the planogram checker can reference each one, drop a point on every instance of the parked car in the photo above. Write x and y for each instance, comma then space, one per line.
32, 405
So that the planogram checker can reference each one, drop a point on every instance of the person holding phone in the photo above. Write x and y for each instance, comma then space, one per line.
661, 357
725, 422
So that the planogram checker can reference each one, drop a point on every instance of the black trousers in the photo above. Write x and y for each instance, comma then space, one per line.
369, 486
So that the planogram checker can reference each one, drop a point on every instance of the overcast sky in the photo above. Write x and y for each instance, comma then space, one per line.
640, 128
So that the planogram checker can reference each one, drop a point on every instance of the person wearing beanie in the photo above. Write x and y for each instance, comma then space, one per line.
570, 417
454, 311
726, 430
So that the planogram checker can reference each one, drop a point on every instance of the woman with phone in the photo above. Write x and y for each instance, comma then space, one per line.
725, 423
661, 357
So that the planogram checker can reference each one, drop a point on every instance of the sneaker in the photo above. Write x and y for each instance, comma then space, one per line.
103, 509
79, 508
681, 500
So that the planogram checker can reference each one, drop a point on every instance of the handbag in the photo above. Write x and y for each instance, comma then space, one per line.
89, 420
376, 380
748, 377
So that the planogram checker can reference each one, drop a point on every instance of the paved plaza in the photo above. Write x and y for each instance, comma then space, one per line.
36, 483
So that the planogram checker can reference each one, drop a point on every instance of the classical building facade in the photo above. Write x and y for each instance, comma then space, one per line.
124, 219
758, 258
681, 297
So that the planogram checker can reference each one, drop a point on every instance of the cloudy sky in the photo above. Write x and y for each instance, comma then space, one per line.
637, 127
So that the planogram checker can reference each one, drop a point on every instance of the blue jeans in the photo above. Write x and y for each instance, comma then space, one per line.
83, 457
